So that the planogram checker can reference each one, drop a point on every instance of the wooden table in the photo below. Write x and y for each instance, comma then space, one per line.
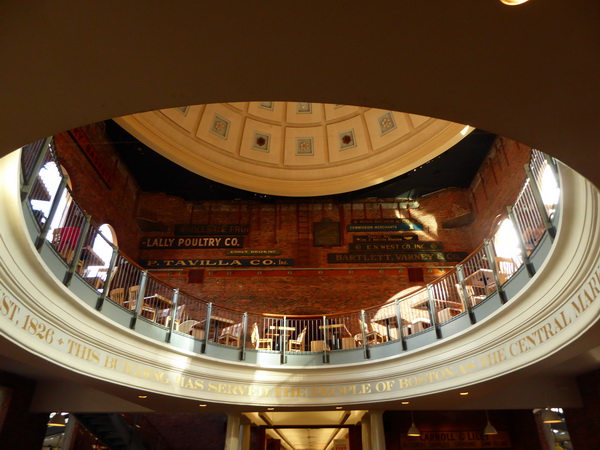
154, 303
217, 321
283, 335
334, 331
482, 279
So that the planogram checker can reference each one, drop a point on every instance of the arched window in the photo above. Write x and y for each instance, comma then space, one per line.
102, 250
506, 242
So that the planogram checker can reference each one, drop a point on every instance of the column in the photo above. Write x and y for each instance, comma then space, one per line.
377, 434
365, 428
232, 434
245, 432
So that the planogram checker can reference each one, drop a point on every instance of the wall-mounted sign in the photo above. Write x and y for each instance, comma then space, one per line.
89, 151
455, 440
385, 238
380, 221
385, 258
192, 242
199, 229
407, 246
249, 252
181, 263
386, 227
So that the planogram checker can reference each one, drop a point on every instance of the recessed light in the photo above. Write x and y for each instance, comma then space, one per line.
202, 405
405, 403
338, 407
464, 393
142, 396
270, 409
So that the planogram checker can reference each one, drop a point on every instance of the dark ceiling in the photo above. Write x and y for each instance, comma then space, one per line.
154, 173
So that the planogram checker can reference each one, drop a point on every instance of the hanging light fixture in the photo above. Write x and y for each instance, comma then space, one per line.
513, 2
413, 430
489, 428
549, 416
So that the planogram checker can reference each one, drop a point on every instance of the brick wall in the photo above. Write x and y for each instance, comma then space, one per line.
459, 218
114, 203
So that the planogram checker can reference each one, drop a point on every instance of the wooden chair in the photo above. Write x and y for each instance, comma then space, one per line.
380, 330
506, 267
258, 342
164, 316
297, 345
132, 297
231, 335
446, 314
418, 325
473, 296
118, 296
373, 337
186, 326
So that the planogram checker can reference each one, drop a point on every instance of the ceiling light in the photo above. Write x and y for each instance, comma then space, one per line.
338, 407
513, 2
413, 430
270, 409
464, 393
549, 416
142, 396
489, 428
405, 403
202, 405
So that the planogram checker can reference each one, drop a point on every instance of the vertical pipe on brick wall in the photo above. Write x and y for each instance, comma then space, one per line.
173, 314
517, 227
109, 275
77, 253
461, 280
206, 327
53, 209
539, 203
140, 299
342, 215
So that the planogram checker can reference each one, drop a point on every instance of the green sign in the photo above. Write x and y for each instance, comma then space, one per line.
248, 252
192, 242
385, 238
407, 246
182, 263
386, 227
395, 258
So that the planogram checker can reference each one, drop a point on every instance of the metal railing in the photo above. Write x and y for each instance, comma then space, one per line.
72, 234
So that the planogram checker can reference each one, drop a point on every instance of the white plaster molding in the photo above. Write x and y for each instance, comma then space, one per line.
570, 271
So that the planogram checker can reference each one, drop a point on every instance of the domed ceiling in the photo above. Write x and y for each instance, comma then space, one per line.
292, 148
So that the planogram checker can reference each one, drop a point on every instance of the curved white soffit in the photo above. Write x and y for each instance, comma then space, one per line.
283, 150
563, 298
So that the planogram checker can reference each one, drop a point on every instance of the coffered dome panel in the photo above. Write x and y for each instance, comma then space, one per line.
296, 149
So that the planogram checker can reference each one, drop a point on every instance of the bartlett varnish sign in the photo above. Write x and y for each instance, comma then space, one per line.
340, 258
